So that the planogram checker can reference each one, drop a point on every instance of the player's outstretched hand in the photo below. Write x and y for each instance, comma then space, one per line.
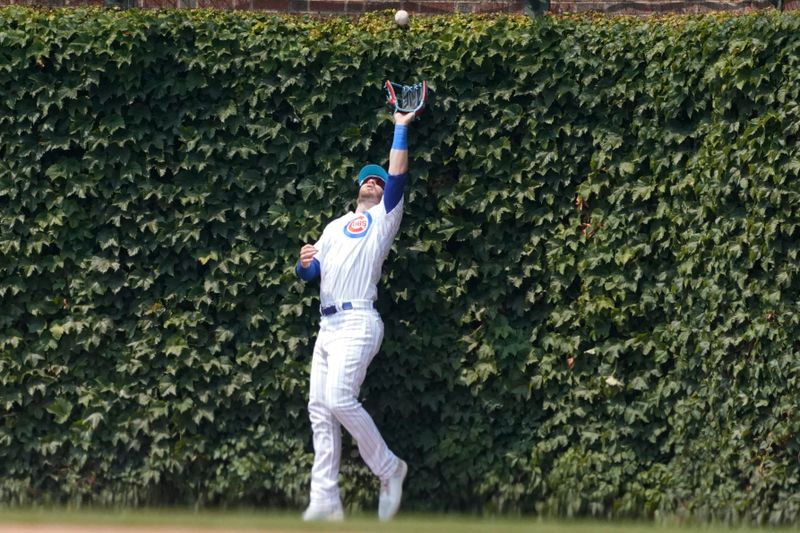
307, 253
403, 118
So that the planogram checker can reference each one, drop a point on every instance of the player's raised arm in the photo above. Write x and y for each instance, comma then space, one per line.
398, 156
398, 161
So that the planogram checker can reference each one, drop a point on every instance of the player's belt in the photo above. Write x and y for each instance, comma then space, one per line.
346, 306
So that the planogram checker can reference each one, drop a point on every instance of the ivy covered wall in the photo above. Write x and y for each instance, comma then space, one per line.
591, 306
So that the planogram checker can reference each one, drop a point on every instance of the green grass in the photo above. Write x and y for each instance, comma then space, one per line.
290, 522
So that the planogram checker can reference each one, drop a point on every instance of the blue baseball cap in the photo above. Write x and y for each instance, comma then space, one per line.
372, 171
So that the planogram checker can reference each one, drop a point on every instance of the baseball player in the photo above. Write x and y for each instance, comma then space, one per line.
348, 258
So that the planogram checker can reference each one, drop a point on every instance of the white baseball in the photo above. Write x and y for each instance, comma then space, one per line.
401, 17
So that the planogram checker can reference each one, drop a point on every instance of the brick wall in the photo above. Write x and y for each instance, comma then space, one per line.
657, 6
345, 7
356, 7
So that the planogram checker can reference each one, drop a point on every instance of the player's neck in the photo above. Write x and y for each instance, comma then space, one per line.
364, 205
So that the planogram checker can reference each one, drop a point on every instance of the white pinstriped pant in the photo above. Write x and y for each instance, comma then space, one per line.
347, 342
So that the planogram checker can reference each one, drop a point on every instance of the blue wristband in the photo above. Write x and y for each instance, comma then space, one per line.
400, 137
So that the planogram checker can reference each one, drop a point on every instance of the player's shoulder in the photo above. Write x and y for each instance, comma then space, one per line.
380, 210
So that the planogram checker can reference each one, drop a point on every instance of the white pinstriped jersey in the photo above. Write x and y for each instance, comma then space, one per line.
351, 252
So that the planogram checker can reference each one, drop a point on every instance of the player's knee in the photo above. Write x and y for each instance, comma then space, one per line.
342, 404
317, 409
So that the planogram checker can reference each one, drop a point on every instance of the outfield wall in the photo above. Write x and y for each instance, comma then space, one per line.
591, 306
355, 8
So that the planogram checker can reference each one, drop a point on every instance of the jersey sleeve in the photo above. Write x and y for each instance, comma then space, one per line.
323, 245
308, 273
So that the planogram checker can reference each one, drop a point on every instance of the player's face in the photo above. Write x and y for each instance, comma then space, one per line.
371, 190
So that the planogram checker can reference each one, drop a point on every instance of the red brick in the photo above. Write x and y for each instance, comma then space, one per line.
298, 6
433, 7
216, 4
791, 4
158, 4
271, 5
327, 6
642, 8
354, 6
655, 6
506, 6
380, 6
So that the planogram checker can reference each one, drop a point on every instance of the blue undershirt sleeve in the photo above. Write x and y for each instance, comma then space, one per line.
394, 191
308, 273
394, 187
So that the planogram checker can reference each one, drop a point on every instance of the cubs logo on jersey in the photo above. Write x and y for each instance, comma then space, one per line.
359, 226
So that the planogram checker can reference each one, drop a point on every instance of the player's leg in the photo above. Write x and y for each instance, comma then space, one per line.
356, 340
325, 501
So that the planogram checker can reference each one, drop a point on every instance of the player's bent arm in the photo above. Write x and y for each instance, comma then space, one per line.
308, 273
308, 267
